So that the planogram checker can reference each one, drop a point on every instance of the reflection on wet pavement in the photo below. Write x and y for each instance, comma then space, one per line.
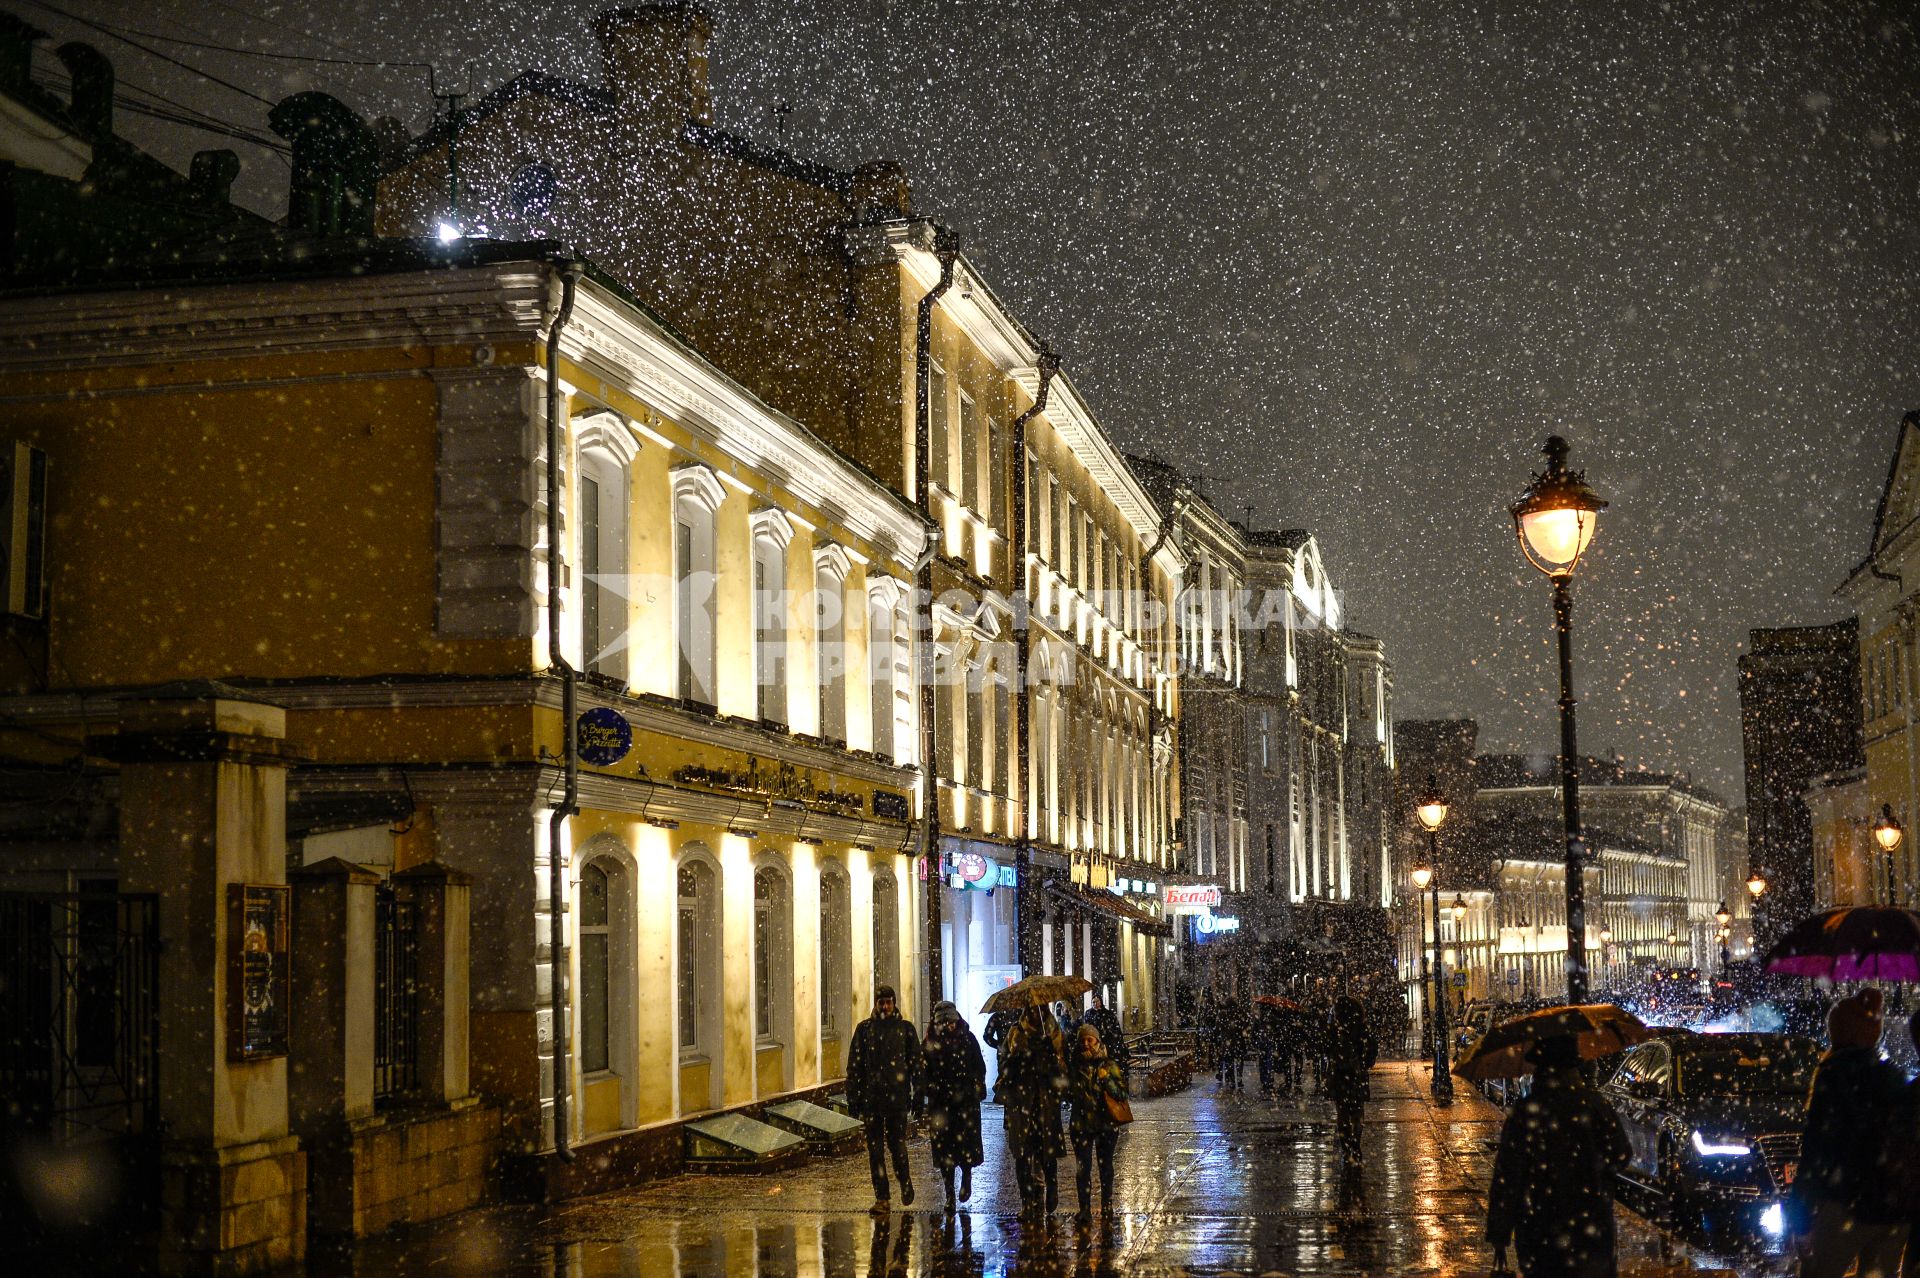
1205, 1184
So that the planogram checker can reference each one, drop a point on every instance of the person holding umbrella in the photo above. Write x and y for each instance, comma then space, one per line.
1032, 1084
1552, 1192
1561, 1147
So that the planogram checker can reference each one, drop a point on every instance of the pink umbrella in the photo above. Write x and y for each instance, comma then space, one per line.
1854, 943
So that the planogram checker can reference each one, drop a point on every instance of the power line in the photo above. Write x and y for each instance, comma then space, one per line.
180, 113
263, 53
153, 52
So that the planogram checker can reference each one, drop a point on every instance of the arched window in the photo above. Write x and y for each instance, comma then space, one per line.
772, 957
596, 977
888, 658
698, 973
886, 928
606, 449
830, 568
836, 953
772, 533
697, 494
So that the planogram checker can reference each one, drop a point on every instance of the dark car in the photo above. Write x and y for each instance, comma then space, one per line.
1714, 1123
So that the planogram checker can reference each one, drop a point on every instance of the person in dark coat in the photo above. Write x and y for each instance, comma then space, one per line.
1233, 1042
956, 1075
883, 1082
1846, 1207
1553, 1176
1266, 1046
1112, 1037
1351, 1050
1032, 1084
1092, 1077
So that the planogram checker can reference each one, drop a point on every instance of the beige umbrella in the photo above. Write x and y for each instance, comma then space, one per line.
1598, 1029
1034, 990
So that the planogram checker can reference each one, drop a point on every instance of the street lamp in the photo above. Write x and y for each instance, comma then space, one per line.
1555, 520
1431, 809
1606, 956
1888, 833
1757, 884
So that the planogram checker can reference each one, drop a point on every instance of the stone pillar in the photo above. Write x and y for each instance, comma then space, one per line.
203, 808
331, 1082
441, 897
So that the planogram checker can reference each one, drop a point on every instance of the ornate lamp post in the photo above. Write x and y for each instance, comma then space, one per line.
1888, 833
1431, 809
1555, 520
1724, 917
1606, 956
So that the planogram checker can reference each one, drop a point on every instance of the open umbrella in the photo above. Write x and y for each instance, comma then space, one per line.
1284, 1004
1854, 943
1598, 1029
1034, 990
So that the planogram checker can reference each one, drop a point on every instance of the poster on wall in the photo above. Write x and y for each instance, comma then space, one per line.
258, 987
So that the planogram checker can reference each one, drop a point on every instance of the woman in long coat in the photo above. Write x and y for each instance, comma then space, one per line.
1093, 1077
956, 1083
1033, 1082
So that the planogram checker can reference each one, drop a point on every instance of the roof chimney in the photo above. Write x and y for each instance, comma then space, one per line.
91, 102
655, 60
881, 192
335, 165
212, 176
16, 51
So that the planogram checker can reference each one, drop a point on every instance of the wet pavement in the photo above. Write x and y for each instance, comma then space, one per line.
1205, 1184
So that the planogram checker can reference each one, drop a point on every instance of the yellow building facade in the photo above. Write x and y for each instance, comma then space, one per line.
819, 289
330, 493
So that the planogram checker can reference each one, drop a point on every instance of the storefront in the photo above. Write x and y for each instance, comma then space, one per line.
977, 945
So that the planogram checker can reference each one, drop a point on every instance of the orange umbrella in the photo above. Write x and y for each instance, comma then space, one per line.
1274, 1000
1598, 1029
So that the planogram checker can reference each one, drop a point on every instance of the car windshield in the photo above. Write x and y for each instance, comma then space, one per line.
1770, 1070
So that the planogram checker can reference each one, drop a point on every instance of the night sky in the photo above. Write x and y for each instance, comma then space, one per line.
1354, 262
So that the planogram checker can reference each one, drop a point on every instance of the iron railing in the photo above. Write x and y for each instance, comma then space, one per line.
396, 998
79, 1015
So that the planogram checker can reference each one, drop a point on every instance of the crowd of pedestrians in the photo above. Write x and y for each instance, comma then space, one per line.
1047, 1060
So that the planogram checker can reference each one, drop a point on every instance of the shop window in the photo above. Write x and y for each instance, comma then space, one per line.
697, 951
772, 957
836, 953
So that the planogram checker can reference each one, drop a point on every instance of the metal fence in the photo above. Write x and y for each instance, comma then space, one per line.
79, 1016
396, 997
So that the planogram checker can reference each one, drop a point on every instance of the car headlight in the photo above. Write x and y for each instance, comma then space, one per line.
1723, 1147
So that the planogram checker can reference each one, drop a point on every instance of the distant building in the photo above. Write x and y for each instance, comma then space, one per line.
1884, 591
1799, 720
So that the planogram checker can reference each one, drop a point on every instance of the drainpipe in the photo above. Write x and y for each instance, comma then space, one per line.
557, 662
1048, 365
946, 247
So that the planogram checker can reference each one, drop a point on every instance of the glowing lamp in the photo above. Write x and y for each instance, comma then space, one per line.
1887, 831
1422, 875
1459, 908
1757, 884
1431, 806
1723, 916
1556, 517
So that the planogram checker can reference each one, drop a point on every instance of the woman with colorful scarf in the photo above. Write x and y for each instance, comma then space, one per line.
1094, 1082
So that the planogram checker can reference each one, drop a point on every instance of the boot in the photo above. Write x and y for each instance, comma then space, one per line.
966, 1183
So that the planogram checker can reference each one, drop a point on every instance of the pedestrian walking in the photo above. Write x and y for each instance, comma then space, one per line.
956, 1083
1033, 1082
1846, 1208
1233, 1043
1266, 1046
884, 1068
1107, 1023
1351, 1050
1552, 1192
1098, 1092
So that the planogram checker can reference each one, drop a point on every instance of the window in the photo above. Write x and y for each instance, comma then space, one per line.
1056, 524
697, 944
772, 532
534, 186
996, 473
939, 461
595, 976
606, 447
1272, 866
772, 952
969, 454
1070, 569
697, 496
836, 914
830, 569
886, 929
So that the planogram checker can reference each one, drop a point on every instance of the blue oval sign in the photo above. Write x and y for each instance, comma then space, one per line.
605, 736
